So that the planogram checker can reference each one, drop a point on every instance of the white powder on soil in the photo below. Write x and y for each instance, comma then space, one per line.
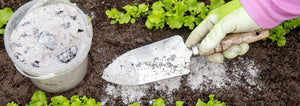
132, 93
206, 73
49, 36
204, 76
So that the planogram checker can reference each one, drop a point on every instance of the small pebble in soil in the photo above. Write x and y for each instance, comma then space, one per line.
68, 55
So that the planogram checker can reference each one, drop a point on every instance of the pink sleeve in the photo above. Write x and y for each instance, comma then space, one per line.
269, 13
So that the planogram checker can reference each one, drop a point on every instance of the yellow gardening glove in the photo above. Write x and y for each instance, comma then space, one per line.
229, 18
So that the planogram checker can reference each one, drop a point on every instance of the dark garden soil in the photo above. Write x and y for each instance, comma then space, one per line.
279, 66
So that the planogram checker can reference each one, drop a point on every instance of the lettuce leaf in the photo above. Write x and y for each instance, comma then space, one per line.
5, 15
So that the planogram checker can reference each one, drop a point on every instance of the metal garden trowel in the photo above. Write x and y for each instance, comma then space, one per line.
166, 58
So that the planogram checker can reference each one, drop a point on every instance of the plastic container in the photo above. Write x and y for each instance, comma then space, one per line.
54, 79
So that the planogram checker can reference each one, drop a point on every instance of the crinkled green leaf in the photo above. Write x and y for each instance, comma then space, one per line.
113, 21
175, 21
39, 96
277, 34
189, 21
135, 104
200, 103
159, 102
89, 18
197, 9
168, 4
204, 11
39, 99
190, 2
281, 41
211, 102
142, 8
37, 104
193, 6
180, 8
149, 24
92, 102
2, 31
12, 104
132, 20
84, 99
198, 20
75, 98
5, 15
157, 17
295, 22
179, 103
113, 13
124, 18
157, 5
171, 13
59, 101
118, 16
131, 10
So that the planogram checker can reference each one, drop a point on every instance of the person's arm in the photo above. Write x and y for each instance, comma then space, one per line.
239, 16
269, 13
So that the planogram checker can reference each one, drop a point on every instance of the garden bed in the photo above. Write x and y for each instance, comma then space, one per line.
266, 75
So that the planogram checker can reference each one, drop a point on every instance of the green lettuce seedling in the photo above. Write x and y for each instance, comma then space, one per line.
39, 99
135, 104
277, 34
211, 102
158, 102
179, 103
173, 13
5, 15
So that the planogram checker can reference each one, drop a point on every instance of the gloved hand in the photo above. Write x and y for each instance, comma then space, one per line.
229, 18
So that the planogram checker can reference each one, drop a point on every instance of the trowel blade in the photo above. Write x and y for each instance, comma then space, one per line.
160, 60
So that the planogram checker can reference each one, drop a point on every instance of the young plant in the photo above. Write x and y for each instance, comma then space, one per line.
135, 104
179, 103
211, 102
136, 11
277, 34
157, 16
5, 15
117, 16
174, 13
132, 12
39, 99
158, 102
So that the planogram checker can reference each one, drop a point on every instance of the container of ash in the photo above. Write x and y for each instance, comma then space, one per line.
48, 42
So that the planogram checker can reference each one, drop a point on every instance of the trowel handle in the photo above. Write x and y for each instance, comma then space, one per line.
237, 38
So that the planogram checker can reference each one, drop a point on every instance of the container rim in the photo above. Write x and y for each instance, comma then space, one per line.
27, 7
